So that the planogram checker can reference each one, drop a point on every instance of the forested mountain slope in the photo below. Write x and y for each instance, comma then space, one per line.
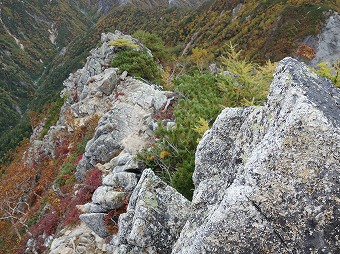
32, 33
263, 30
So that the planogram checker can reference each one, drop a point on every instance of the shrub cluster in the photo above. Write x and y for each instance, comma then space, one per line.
138, 63
123, 43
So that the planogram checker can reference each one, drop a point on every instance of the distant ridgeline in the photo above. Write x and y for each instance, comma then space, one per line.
42, 42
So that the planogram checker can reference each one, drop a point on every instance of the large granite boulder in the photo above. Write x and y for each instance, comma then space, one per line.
267, 179
154, 218
114, 193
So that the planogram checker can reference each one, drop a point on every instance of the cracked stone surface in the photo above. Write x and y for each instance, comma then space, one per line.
124, 127
267, 179
96, 222
154, 218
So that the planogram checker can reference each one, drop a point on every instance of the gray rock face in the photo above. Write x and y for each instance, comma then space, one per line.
124, 180
126, 107
89, 91
125, 125
328, 49
96, 222
108, 197
267, 178
155, 216
95, 79
114, 193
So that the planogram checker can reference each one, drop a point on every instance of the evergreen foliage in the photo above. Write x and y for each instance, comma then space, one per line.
52, 115
245, 83
203, 96
137, 63
201, 99
154, 43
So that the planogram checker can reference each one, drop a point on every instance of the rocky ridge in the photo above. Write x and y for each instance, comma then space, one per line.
125, 107
155, 216
266, 178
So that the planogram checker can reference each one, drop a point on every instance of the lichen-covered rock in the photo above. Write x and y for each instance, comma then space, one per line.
96, 222
108, 197
113, 194
125, 126
100, 59
267, 179
121, 180
125, 107
155, 216
90, 91
78, 240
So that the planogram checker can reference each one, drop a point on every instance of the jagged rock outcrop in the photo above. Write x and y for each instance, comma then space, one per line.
114, 193
125, 125
154, 218
328, 45
125, 108
267, 178
83, 86
91, 90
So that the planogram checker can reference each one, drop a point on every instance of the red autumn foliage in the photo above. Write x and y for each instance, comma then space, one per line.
62, 148
48, 225
92, 181
43, 208
111, 219
306, 51
166, 112
78, 159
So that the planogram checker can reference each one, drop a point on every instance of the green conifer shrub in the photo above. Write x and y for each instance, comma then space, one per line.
138, 63
331, 72
154, 43
173, 157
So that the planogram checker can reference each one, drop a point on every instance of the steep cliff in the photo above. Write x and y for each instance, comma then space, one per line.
328, 45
